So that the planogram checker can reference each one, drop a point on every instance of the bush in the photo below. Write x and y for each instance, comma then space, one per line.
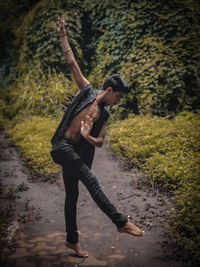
165, 149
154, 45
185, 216
11, 16
168, 153
37, 38
33, 136
38, 93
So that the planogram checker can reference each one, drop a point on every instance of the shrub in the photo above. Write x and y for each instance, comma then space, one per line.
168, 153
165, 149
33, 136
154, 45
185, 216
38, 93
37, 38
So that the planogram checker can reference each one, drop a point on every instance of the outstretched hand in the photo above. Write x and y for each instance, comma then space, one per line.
86, 126
61, 25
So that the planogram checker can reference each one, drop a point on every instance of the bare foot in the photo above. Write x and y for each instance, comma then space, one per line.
77, 248
130, 228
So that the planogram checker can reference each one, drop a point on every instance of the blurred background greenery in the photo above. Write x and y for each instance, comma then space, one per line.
154, 45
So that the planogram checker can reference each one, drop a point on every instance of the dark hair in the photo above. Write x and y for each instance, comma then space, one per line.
117, 83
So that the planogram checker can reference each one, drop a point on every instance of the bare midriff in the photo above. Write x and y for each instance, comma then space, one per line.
73, 132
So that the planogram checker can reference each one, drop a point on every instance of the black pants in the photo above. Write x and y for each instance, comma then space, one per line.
75, 169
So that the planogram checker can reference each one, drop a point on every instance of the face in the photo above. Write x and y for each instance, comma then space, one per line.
114, 98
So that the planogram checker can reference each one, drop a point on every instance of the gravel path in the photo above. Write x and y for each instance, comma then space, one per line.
37, 226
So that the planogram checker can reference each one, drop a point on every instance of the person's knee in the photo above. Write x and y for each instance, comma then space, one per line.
93, 185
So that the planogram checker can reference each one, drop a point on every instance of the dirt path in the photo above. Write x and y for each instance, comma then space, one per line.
37, 226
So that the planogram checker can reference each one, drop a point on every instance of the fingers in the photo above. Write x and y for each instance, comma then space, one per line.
61, 20
88, 120
86, 126
60, 23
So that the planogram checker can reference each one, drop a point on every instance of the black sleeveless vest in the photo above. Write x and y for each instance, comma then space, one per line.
80, 101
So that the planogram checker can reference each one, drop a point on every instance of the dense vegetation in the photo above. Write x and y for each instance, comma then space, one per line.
154, 45
168, 153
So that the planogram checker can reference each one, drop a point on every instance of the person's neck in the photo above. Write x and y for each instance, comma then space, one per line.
101, 97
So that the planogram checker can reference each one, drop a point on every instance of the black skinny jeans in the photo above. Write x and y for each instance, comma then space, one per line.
75, 169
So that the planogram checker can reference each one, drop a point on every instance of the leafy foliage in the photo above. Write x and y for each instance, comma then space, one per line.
38, 93
154, 45
38, 40
166, 149
185, 217
33, 137
168, 153
11, 15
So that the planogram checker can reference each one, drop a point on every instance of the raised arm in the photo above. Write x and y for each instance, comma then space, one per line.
69, 55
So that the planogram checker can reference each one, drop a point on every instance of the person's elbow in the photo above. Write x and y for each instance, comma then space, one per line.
100, 142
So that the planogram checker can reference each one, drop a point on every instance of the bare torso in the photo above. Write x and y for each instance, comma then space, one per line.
73, 132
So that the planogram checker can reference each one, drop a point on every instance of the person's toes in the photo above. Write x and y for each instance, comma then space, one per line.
77, 249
